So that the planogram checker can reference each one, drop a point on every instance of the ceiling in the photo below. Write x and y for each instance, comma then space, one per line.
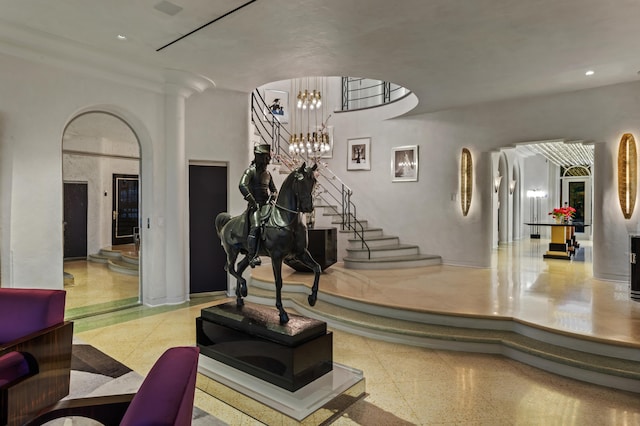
450, 53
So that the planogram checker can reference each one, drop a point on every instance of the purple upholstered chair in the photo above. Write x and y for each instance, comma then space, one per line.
35, 352
164, 398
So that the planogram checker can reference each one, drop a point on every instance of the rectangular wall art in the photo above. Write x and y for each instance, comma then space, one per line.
359, 154
404, 163
278, 103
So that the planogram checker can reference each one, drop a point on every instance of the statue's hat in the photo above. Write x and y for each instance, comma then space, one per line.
262, 149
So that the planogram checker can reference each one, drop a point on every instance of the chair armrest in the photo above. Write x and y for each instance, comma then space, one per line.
27, 341
48, 354
108, 410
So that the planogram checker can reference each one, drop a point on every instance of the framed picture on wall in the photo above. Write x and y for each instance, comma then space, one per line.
404, 163
359, 154
277, 105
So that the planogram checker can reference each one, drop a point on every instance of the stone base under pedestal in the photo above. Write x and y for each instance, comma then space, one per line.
317, 402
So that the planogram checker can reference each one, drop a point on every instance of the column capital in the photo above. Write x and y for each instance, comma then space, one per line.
183, 83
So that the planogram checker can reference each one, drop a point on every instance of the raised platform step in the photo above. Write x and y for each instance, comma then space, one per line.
122, 261
123, 267
597, 362
393, 262
98, 258
381, 252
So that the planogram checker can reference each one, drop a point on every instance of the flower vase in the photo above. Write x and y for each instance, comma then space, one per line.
558, 219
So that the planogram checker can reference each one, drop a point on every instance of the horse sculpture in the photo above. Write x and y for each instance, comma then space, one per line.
283, 236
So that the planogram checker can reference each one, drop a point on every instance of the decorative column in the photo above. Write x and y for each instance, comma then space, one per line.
179, 86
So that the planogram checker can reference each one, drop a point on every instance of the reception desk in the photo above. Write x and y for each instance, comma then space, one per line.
563, 243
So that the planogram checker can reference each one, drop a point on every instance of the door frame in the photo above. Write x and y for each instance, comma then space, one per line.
115, 200
86, 217
588, 197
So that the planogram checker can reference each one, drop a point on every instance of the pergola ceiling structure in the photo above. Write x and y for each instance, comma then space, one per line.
561, 153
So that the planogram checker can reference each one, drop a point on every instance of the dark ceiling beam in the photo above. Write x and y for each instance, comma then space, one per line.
207, 24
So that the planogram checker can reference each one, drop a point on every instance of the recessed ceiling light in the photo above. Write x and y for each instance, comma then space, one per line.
122, 37
590, 72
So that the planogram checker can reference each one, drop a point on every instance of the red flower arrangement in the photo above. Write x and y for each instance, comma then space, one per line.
565, 212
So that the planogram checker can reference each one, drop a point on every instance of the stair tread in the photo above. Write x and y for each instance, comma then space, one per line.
365, 229
374, 238
409, 257
383, 248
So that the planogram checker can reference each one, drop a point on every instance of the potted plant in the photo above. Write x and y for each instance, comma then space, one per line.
563, 214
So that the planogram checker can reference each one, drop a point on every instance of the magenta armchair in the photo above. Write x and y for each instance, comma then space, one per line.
35, 352
164, 398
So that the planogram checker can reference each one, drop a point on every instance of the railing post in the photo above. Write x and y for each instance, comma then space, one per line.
345, 93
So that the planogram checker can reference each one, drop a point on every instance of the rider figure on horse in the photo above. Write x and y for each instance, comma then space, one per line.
257, 187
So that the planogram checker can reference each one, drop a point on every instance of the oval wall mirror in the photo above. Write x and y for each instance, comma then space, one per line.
627, 174
466, 180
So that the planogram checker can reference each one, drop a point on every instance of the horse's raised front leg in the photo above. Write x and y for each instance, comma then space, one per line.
310, 263
276, 264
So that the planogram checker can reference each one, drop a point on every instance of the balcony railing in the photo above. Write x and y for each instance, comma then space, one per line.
362, 93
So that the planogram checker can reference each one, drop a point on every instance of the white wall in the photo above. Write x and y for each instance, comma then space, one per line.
43, 100
424, 212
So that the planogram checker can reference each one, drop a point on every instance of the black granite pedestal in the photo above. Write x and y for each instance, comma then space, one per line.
251, 339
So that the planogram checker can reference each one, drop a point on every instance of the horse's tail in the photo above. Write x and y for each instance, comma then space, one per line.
222, 220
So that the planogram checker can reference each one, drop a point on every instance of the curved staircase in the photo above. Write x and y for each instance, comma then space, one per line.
121, 261
379, 251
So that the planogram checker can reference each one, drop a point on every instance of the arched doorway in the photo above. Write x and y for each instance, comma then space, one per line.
100, 172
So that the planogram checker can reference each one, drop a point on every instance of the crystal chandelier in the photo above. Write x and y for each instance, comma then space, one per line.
309, 137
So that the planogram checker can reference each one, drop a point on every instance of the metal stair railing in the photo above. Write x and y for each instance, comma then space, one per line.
272, 132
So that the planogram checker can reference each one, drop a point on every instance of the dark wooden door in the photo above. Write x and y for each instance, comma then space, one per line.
75, 220
125, 208
207, 198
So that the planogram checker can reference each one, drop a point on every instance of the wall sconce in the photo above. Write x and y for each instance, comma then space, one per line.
496, 183
466, 180
512, 186
627, 174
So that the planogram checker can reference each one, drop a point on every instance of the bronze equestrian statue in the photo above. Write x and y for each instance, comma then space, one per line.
283, 236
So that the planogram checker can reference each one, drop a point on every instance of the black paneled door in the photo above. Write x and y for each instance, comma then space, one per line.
207, 198
75, 220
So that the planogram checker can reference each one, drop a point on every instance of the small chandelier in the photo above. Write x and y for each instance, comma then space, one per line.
309, 136
309, 100
313, 144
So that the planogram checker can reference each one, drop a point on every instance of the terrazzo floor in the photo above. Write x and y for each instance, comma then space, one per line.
409, 385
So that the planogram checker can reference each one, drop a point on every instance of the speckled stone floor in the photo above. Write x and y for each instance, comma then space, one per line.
411, 385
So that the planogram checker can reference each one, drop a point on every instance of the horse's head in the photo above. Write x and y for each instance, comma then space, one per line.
304, 179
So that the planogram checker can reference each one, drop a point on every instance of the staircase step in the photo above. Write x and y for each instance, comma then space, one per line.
368, 232
393, 262
381, 252
363, 223
383, 240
